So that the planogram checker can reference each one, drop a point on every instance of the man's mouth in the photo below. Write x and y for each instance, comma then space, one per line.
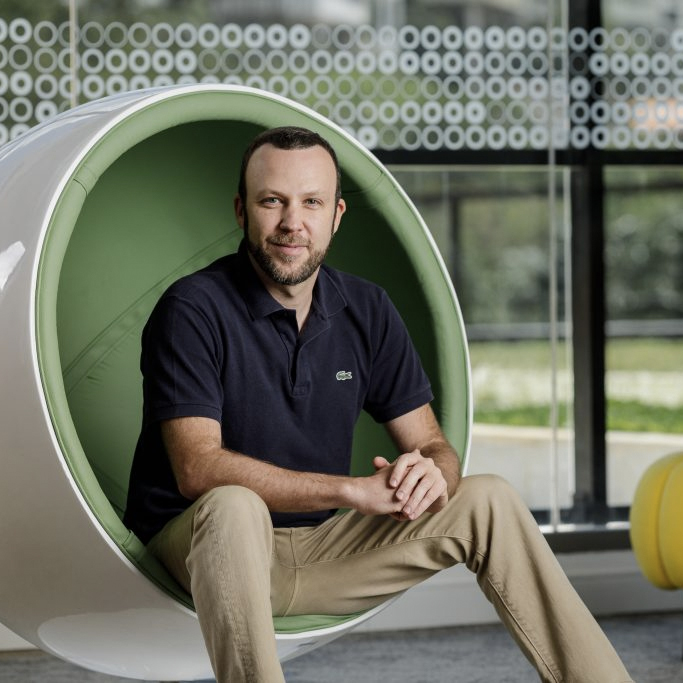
283, 242
288, 247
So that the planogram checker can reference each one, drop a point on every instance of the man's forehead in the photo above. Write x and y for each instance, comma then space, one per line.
269, 150
270, 157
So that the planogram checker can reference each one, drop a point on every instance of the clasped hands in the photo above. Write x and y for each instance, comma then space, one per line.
404, 489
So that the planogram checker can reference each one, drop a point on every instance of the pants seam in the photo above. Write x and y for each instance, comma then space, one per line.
296, 568
523, 631
236, 632
389, 545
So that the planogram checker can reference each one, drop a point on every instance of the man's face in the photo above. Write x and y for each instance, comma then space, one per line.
290, 213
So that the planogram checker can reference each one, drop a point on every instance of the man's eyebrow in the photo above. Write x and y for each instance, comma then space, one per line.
267, 192
312, 192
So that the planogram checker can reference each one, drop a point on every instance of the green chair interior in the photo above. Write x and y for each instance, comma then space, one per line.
151, 201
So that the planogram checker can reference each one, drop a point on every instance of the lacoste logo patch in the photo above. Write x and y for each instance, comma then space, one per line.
344, 375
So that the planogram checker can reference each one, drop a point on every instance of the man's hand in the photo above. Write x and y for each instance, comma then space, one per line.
419, 483
408, 487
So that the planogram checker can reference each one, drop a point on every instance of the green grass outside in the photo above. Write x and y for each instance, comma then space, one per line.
626, 416
656, 355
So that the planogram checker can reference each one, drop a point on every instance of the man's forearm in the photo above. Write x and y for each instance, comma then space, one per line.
281, 489
200, 464
285, 490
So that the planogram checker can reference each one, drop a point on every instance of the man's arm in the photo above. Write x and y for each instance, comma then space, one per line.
200, 463
428, 471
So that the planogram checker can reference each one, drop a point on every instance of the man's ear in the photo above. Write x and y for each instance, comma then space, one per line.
338, 213
239, 210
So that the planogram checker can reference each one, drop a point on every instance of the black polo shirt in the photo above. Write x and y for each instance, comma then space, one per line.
218, 345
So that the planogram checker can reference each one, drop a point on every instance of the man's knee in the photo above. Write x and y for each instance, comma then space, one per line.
483, 484
490, 491
233, 507
232, 539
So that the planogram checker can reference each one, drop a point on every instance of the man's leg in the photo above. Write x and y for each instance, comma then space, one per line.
353, 562
220, 550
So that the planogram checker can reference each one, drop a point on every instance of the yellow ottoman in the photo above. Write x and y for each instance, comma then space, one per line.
657, 522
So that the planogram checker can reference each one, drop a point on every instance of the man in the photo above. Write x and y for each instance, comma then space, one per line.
245, 447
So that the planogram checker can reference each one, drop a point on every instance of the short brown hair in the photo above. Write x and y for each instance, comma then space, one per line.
286, 137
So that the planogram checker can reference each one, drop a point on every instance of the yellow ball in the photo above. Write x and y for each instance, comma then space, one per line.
657, 522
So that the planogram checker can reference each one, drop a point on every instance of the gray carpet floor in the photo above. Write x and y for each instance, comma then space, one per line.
649, 645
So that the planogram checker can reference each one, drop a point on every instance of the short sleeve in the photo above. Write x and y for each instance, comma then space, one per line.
181, 362
398, 382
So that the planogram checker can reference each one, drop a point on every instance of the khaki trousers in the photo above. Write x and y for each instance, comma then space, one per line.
240, 572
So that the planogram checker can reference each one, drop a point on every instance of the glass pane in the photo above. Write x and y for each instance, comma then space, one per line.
644, 261
436, 76
634, 13
493, 227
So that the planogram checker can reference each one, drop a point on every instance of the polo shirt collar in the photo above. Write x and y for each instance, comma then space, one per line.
327, 298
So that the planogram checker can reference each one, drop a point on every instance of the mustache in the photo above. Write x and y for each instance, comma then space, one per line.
288, 241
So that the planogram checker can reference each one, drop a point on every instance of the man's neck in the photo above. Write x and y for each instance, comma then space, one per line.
294, 297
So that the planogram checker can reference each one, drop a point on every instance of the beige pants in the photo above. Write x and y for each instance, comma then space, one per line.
240, 572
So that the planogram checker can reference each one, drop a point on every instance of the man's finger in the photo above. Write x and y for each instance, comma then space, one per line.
423, 498
402, 466
379, 462
424, 467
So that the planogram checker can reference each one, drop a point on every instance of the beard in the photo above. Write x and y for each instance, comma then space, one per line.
277, 268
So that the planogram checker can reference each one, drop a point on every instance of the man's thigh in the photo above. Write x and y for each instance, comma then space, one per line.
353, 562
172, 546
350, 563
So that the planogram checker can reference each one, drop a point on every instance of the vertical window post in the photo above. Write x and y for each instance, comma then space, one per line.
588, 314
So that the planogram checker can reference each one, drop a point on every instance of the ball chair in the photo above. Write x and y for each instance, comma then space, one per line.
102, 208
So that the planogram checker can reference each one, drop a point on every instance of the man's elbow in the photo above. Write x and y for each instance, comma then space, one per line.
190, 484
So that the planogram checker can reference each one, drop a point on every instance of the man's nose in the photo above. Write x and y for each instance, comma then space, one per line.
291, 218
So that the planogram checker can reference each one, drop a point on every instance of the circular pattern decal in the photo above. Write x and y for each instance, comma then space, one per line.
408, 88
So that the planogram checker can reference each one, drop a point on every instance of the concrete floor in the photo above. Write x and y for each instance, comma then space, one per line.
650, 646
